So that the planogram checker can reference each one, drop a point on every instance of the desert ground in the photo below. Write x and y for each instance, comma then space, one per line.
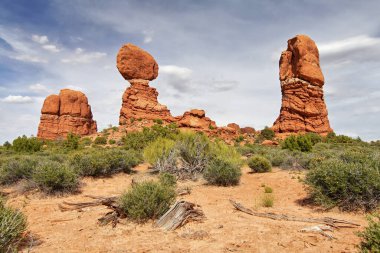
224, 228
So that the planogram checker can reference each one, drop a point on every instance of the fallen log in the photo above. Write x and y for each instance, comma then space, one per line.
178, 215
325, 220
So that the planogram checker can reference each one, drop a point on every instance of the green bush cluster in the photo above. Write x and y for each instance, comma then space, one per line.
371, 235
350, 186
147, 200
265, 134
16, 168
100, 140
12, 226
301, 143
139, 140
24, 144
103, 162
53, 176
259, 164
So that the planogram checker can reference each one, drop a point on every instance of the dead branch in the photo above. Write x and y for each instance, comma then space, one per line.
325, 220
179, 214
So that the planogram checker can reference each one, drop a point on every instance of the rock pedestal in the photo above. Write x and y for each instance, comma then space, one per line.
303, 108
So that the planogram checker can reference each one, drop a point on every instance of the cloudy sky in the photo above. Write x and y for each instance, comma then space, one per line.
221, 56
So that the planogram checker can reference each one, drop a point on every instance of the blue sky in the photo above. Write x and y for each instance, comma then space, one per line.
221, 56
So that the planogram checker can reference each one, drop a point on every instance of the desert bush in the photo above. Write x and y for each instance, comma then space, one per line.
100, 140
12, 226
51, 176
267, 200
267, 134
259, 164
147, 200
158, 150
222, 171
104, 162
16, 168
7, 145
86, 141
314, 138
158, 121
72, 141
27, 145
298, 142
371, 235
111, 141
239, 139
167, 179
350, 186
267, 189
139, 140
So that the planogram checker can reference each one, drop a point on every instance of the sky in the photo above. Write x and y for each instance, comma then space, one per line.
221, 56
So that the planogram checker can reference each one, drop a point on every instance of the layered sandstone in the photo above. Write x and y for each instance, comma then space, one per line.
68, 112
303, 108
140, 102
196, 119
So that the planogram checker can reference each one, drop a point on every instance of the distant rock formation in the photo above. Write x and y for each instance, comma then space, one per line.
64, 113
303, 107
140, 107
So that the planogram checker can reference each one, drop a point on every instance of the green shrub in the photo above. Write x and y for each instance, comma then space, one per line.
100, 140
14, 169
7, 145
72, 141
221, 171
371, 235
167, 179
267, 189
267, 200
12, 226
314, 138
86, 141
147, 200
111, 141
158, 121
239, 139
27, 145
259, 164
139, 140
158, 150
300, 142
267, 134
104, 162
53, 176
350, 186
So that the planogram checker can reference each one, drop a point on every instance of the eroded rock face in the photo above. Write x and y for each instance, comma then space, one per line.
135, 63
140, 102
303, 108
196, 119
64, 113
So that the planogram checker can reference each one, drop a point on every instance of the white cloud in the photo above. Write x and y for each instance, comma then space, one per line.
43, 39
73, 87
79, 50
148, 36
39, 88
51, 48
28, 58
349, 44
177, 71
84, 58
17, 99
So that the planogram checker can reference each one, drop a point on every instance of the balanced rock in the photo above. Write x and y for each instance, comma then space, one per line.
303, 108
68, 112
140, 103
135, 63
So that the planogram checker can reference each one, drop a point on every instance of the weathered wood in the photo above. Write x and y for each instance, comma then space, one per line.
325, 220
70, 206
178, 215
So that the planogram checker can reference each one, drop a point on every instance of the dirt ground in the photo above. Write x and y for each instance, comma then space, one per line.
224, 229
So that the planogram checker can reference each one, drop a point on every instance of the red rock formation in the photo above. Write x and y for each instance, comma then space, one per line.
135, 63
303, 107
234, 126
248, 130
64, 113
196, 119
140, 102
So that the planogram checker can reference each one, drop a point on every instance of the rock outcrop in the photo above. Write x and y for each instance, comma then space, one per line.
196, 119
303, 108
64, 113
